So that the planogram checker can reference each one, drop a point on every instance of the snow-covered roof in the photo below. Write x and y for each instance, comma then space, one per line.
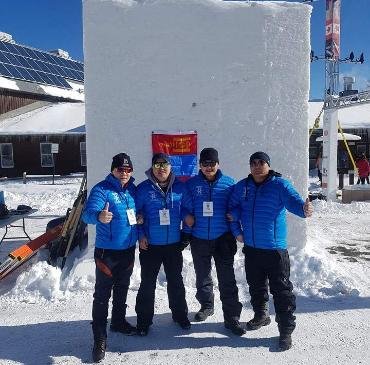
49, 119
353, 117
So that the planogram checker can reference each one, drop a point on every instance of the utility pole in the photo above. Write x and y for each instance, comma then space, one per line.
330, 120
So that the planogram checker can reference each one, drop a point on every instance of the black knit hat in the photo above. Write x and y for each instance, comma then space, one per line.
160, 156
121, 160
260, 156
208, 154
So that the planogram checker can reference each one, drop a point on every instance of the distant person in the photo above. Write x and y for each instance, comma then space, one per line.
319, 167
206, 204
342, 159
258, 207
111, 207
363, 168
159, 202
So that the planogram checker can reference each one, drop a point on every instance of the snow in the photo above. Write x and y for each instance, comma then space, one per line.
145, 68
49, 311
357, 116
206, 65
49, 119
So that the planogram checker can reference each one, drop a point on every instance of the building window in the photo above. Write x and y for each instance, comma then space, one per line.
360, 149
83, 153
47, 159
6, 151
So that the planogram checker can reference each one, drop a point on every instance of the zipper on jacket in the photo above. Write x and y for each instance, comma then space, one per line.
254, 206
165, 207
210, 183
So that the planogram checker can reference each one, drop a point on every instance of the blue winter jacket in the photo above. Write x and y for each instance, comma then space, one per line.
199, 190
260, 210
150, 200
118, 234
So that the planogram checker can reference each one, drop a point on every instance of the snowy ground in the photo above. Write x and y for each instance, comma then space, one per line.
45, 314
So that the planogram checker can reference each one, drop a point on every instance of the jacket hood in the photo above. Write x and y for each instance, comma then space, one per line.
151, 178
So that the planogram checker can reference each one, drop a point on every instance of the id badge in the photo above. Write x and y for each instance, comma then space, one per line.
207, 209
164, 217
131, 216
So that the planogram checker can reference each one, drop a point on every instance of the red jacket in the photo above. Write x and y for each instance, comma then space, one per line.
363, 167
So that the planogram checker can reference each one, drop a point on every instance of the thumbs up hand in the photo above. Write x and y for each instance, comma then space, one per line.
105, 216
307, 208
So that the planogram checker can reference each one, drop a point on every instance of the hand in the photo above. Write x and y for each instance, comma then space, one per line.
139, 219
229, 217
240, 238
189, 220
105, 216
185, 240
143, 243
307, 208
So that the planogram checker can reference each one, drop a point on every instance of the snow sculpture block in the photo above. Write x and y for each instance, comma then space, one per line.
237, 72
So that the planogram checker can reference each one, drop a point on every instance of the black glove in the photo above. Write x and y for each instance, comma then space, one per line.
185, 240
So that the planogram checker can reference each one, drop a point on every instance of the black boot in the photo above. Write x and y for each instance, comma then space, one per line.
259, 320
203, 314
98, 352
285, 341
183, 322
142, 330
124, 327
235, 326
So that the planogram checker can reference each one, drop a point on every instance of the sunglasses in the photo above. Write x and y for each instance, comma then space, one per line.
258, 163
126, 170
161, 165
209, 164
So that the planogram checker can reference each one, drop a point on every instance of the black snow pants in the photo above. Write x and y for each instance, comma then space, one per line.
150, 261
222, 250
113, 272
265, 268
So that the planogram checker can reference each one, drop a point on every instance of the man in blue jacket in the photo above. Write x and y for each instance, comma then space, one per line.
159, 203
205, 207
258, 207
111, 207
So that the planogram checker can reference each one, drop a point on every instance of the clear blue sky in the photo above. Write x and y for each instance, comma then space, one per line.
51, 24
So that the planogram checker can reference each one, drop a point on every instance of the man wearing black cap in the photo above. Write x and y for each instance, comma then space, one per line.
258, 207
111, 207
205, 206
159, 202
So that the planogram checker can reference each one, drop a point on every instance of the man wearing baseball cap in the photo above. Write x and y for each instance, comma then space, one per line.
258, 207
204, 208
111, 207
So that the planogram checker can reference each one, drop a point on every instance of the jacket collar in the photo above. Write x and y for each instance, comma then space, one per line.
218, 176
271, 176
117, 184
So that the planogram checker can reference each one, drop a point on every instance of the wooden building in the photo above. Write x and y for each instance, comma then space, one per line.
46, 140
42, 115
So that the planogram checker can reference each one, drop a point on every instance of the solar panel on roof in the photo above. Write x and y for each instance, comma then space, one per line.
24, 63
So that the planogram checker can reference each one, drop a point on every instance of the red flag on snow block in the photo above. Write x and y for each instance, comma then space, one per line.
182, 149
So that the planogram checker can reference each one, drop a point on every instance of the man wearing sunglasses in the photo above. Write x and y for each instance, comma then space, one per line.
111, 207
159, 202
205, 207
258, 207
